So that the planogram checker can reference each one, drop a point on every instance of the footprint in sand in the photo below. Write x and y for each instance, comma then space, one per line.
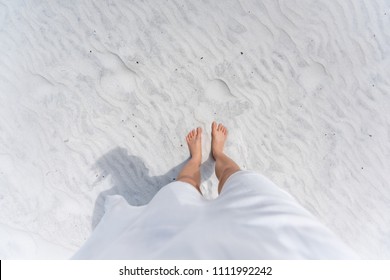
218, 91
218, 101
117, 80
313, 77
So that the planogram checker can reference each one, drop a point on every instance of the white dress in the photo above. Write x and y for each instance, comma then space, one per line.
251, 219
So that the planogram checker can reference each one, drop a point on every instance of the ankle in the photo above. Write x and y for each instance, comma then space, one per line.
196, 160
217, 154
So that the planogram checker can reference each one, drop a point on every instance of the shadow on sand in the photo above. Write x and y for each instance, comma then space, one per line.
130, 179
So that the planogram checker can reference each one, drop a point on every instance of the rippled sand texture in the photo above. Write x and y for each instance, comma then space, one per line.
96, 98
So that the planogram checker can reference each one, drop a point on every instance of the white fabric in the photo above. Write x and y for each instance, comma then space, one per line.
251, 219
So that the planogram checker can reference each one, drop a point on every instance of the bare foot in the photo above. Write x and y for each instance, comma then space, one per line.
218, 138
194, 142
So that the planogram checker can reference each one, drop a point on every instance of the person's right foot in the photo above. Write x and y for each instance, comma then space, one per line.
194, 142
218, 138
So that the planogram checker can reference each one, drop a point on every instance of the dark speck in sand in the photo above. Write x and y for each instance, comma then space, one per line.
137, 62
136, 126
97, 175
181, 145
362, 167
201, 57
242, 53
174, 179
176, 69
370, 135
90, 51
373, 85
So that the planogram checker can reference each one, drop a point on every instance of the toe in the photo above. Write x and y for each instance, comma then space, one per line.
219, 127
214, 126
199, 131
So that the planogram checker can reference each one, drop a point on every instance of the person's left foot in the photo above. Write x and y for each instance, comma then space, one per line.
194, 142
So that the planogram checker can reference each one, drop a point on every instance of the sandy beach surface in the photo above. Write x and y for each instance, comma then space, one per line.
96, 98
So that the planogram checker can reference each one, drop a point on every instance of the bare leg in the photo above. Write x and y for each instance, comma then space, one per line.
191, 172
224, 166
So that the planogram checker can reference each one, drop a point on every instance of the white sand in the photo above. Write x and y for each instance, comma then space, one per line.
96, 99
